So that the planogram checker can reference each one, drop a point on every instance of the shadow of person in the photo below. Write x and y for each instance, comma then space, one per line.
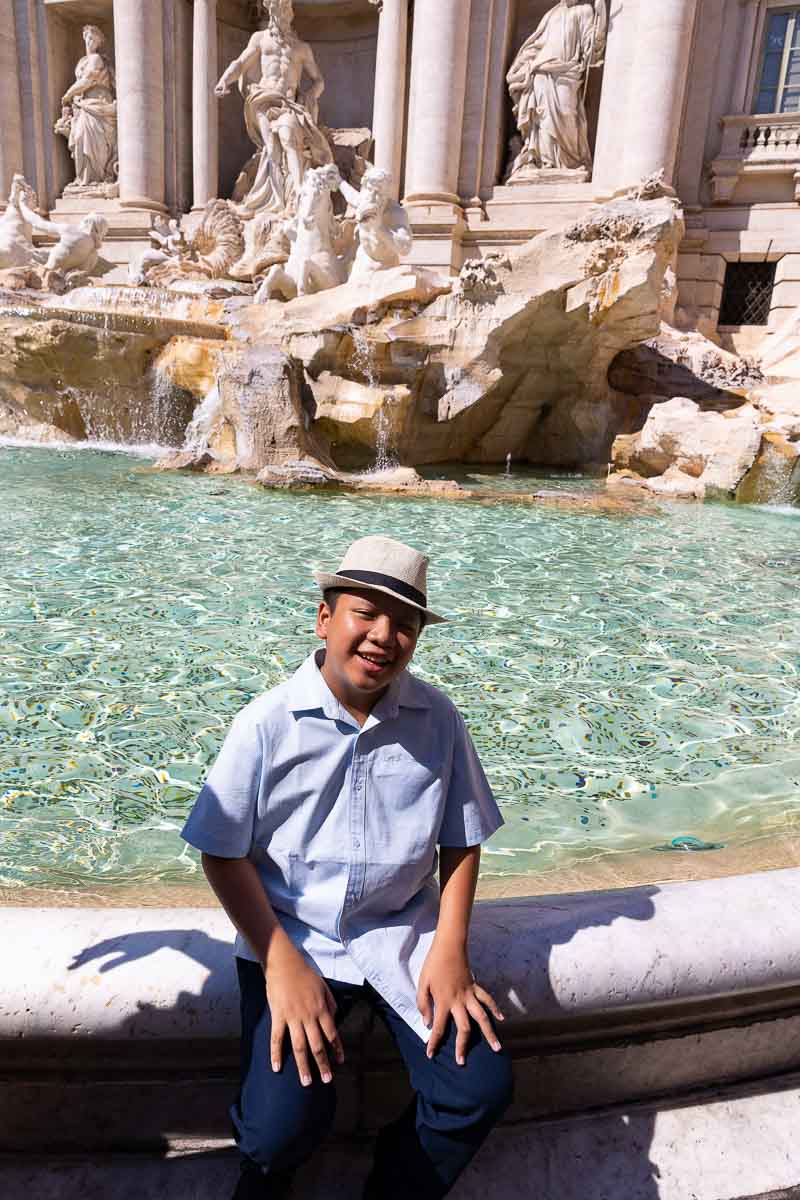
559, 965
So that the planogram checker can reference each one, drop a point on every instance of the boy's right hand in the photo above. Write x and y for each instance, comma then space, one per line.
301, 1001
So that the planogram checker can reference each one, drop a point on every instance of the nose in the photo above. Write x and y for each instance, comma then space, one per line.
382, 632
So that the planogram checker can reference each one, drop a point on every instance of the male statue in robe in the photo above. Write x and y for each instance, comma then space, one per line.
281, 116
547, 82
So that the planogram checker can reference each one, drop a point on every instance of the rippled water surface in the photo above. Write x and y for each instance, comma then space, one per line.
628, 680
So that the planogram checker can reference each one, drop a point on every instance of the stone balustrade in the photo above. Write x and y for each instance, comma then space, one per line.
765, 144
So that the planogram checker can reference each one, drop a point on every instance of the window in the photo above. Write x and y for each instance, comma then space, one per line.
779, 86
747, 293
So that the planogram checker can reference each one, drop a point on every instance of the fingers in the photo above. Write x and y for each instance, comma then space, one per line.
425, 1005
328, 1026
276, 1044
437, 1033
300, 1051
481, 1019
463, 1030
488, 1002
316, 1044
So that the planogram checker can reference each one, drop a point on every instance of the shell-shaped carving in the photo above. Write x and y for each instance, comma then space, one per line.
219, 239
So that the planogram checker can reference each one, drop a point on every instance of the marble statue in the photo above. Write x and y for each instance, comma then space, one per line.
69, 261
17, 250
89, 119
208, 253
75, 254
317, 258
382, 226
281, 115
548, 81
167, 243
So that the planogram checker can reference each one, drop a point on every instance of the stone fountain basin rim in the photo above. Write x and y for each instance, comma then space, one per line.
612, 960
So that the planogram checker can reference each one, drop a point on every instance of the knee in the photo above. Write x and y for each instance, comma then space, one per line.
500, 1089
288, 132
492, 1086
285, 1134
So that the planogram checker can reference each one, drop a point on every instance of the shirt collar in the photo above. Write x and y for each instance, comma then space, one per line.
309, 692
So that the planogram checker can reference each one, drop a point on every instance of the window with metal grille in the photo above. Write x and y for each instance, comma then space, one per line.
747, 293
779, 85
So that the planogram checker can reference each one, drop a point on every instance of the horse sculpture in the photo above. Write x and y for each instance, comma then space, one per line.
317, 258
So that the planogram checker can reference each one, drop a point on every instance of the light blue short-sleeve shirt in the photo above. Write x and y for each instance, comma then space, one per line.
343, 822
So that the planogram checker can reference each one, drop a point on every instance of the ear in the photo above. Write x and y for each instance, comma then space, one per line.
324, 615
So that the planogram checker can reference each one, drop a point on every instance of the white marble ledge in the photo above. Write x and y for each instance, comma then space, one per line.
551, 962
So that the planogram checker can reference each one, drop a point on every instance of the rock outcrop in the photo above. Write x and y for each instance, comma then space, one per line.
513, 359
683, 451
735, 433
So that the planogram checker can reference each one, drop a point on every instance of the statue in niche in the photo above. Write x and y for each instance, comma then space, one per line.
548, 81
89, 120
280, 114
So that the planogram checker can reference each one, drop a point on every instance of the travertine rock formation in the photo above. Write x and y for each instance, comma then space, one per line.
735, 431
512, 359
684, 451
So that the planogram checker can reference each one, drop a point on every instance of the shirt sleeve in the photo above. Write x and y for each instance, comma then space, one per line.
471, 814
224, 813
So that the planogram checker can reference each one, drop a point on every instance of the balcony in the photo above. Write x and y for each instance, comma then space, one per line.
764, 144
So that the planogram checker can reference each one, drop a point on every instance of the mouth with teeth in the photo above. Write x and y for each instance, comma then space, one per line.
373, 663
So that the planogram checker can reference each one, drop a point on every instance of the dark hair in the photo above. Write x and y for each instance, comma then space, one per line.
331, 596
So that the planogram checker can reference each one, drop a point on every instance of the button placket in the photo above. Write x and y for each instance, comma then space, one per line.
356, 849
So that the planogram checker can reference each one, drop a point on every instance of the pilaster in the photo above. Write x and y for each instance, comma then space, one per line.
205, 116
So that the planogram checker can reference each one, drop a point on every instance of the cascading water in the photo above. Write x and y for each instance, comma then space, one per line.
364, 362
203, 423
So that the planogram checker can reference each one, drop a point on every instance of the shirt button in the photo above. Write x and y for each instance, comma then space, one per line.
356, 843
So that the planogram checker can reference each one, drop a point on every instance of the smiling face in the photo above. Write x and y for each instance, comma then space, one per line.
369, 639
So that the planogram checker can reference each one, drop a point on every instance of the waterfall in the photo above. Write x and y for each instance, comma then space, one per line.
204, 423
364, 362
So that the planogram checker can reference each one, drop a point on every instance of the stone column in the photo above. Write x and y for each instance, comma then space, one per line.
139, 52
657, 88
436, 106
205, 112
389, 113
609, 151
11, 160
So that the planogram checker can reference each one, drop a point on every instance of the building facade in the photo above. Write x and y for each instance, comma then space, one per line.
707, 91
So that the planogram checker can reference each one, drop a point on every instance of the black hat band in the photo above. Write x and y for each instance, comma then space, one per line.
387, 581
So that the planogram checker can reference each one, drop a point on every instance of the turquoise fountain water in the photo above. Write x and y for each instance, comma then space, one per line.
628, 680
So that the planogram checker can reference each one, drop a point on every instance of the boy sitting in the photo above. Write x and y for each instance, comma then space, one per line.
318, 826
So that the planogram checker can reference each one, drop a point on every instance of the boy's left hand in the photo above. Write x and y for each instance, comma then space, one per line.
448, 988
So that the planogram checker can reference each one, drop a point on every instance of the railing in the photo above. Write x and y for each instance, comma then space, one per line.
765, 144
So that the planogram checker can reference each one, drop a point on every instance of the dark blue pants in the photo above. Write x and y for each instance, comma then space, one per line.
280, 1123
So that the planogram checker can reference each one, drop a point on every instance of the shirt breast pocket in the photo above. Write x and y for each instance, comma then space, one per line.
407, 805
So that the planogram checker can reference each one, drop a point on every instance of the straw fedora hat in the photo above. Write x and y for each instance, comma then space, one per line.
380, 564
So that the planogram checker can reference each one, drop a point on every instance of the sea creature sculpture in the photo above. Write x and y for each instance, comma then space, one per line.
317, 259
382, 227
16, 231
70, 261
208, 253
